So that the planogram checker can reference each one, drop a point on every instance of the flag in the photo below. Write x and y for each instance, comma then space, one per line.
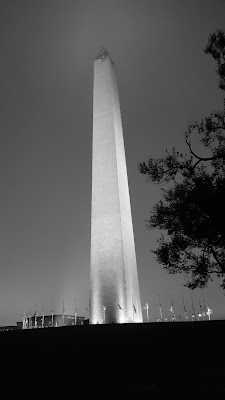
146, 306
171, 308
104, 307
120, 308
134, 309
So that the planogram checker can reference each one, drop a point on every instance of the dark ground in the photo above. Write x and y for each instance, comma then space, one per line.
181, 359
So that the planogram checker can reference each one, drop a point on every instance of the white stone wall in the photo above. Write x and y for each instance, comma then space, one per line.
114, 278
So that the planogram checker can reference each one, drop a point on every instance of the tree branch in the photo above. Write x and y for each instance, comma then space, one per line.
195, 165
195, 155
217, 272
217, 260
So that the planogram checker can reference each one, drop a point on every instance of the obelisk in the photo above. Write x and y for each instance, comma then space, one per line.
114, 287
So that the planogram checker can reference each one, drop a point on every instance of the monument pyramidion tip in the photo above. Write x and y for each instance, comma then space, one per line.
102, 53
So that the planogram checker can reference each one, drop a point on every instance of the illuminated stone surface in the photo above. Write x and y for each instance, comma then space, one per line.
114, 279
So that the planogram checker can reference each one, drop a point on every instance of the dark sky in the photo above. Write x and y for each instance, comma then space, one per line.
46, 74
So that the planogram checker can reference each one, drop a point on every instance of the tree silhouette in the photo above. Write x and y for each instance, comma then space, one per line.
191, 213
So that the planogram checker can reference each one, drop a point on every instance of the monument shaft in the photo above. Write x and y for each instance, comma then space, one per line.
114, 295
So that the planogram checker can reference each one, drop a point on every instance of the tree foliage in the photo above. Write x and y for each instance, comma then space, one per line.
191, 213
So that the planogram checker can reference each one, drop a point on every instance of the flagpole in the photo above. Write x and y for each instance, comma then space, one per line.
146, 307
184, 308
200, 313
133, 306
204, 309
172, 310
174, 314
185, 313
24, 319
35, 318
30, 320
209, 310
104, 309
160, 309
23, 325
193, 309
63, 312
119, 309
75, 313
27, 320
43, 317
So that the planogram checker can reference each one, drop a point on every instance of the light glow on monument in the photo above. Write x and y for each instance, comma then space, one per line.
114, 287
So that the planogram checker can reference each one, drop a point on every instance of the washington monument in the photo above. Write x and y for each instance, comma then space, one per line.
114, 287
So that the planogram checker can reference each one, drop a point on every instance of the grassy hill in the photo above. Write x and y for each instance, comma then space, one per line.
113, 361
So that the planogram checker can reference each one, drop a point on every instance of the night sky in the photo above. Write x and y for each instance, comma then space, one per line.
46, 77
